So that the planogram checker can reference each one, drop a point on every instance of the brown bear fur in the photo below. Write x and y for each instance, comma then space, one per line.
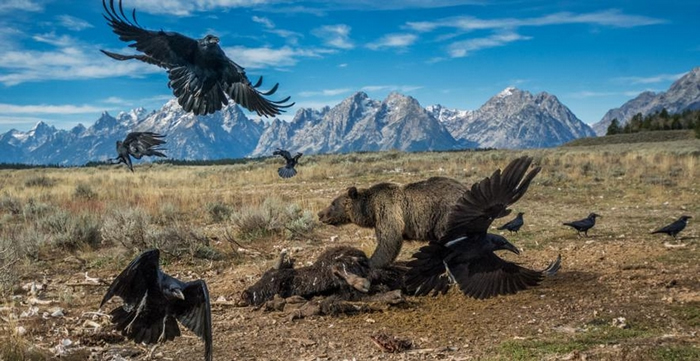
415, 211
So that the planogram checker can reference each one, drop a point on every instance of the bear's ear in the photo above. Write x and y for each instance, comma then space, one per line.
352, 192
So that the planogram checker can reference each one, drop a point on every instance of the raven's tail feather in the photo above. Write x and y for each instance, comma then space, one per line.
553, 267
285, 172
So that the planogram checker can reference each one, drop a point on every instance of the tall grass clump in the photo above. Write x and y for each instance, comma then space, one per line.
40, 181
128, 227
83, 191
273, 218
8, 274
219, 211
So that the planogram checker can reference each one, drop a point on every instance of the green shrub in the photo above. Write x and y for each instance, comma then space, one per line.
219, 212
273, 217
83, 191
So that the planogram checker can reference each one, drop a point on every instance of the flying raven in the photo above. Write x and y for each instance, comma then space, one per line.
674, 228
153, 301
514, 225
137, 145
465, 255
583, 225
200, 73
288, 170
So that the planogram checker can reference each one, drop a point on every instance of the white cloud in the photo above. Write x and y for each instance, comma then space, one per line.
187, 7
317, 7
47, 109
23, 5
601, 94
649, 79
66, 63
16, 121
115, 100
393, 41
464, 48
73, 23
53, 39
337, 36
399, 88
257, 58
612, 18
264, 21
292, 37
325, 92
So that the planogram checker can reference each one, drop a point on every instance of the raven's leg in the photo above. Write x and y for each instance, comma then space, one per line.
161, 338
140, 308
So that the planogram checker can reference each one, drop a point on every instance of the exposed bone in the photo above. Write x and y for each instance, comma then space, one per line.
280, 261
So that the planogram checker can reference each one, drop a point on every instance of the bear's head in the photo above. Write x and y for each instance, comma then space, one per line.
341, 209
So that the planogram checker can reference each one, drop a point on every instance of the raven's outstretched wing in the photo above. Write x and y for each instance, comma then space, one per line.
138, 278
194, 312
490, 276
144, 143
246, 94
489, 199
283, 153
165, 49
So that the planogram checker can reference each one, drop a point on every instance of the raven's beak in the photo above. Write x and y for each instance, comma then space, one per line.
510, 247
178, 293
214, 39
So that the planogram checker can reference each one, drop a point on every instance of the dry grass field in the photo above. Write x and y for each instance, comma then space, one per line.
622, 294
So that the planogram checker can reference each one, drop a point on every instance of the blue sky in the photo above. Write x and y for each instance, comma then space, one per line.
593, 55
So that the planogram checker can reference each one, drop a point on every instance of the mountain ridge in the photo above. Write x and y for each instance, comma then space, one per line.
683, 94
512, 118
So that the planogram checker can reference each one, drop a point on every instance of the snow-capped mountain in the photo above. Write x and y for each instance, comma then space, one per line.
359, 123
511, 119
515, 119
226, 134
684, 94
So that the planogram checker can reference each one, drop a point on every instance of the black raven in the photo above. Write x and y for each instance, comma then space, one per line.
583, 225
674, 228
137, 145
288, 170
200, 73
514, 225
465, 255
153, 301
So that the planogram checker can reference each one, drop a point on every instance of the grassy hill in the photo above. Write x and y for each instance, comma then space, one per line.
641, 137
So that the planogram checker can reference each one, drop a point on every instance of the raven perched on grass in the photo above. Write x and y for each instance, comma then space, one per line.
155, 301
137, 145
674, 228
465, 255
583, 225
514, 225
200, 73
288, 170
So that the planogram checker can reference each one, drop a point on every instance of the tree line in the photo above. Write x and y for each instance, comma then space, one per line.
660, 120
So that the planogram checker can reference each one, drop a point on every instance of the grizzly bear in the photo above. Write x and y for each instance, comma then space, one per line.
415, 211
